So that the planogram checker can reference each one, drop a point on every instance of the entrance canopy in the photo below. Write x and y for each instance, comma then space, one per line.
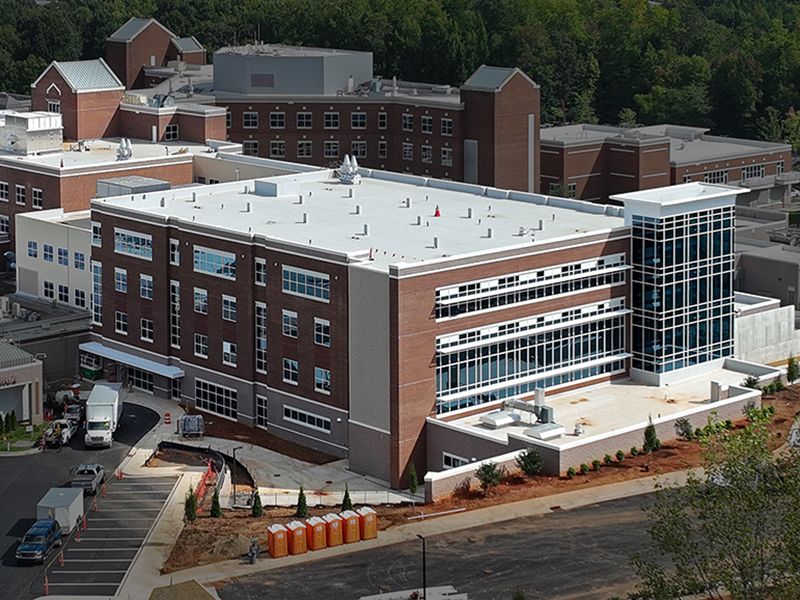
131, 360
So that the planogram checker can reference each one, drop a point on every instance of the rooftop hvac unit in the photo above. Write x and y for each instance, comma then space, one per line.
546, 414
499, 418
5, 305
16, 310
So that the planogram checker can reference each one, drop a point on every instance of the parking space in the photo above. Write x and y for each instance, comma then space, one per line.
94, 559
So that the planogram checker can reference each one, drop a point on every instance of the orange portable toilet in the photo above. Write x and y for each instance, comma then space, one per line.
297, 541
316, 533
278, 537
369, 523
352, 527
335, 525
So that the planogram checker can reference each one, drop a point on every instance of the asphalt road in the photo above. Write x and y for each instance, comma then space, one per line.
26, 479
579, 554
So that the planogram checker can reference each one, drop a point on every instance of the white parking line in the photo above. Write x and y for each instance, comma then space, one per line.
93, 539
95, 519
117, 528
92, 560
103, 550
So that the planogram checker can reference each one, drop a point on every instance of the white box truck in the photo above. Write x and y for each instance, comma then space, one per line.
64, 505
103, 413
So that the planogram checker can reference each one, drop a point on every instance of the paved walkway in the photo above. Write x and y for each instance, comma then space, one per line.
144, 575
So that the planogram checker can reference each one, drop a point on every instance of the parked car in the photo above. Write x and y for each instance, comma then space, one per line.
89, 477
60, 432
38, 541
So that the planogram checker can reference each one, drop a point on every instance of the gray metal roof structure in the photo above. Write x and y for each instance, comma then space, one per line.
11, 356
133, 27
493, 78
187, 44
84, 75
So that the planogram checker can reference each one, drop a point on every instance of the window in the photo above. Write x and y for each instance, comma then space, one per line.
307, 419
426, 154
250, 147
382, 120
174, 252
63, 293
3, 191
201, 345
20, 194
36, 198
686, 179
80, 261
201, 301
290, 371
277, 149
304, 148
5, 224
228, 119
358, 120
331, 148
53, 106
304, 120
780, 167
171, 132
250, 120
716, 176
147, 329
121, 280
135, 244
572, 188
331, 120
97, 293
277, 120
48, 252
80, 298
408, 151
383, 149
261, 411
322, 380
175, 392
261, 337
215, 398
358, 149
322, 332
261, 271
175, 314
97, 238
215, 262
289, 323
63, 257
146, 286
49, 290
229, 354
140, 379
229, 308
447, 126
447, 157
408, 122
301, 282
450, 461
33, 249
426, 124
752, 171
121, 322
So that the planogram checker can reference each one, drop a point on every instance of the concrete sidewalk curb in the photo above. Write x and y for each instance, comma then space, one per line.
5, 454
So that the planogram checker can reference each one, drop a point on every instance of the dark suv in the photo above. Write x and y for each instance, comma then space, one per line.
38, 541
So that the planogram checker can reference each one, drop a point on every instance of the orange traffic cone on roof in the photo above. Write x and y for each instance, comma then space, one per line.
437, 213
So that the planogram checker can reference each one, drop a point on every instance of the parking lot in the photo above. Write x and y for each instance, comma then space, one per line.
94, 560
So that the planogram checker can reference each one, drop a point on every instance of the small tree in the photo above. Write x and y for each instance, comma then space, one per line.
256, 508
608, 459
571, 472
413, 483
751, 381
347, 504
684, 429
792, 370
634, 451
216, 509
489, 475
190, 506
596, 465
620, 455
651, 441
584, 468
302, 505
530, 462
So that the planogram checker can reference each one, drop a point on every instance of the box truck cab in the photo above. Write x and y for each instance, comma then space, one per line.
103, 413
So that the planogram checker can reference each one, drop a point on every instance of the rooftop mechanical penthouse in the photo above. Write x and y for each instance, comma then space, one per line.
348, 316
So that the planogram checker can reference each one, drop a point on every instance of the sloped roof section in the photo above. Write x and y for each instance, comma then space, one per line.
11, 356
87, 74
493, 78
134, 27
187, 44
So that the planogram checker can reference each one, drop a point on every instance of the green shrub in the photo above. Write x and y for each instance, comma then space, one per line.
607, 459
651, 441
256, 508
216, 509
698, 433
584, 468
302, 505
634, 451
571, 472
728, 424
620, 456
530, 462
792, 370
413, 481
347, 504
190, 506
596, 464
751, 381
489, 475
683, 429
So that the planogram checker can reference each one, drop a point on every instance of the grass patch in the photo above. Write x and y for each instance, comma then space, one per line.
20, 435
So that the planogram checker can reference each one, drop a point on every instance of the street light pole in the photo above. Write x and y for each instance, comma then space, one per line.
234, 473
424, 578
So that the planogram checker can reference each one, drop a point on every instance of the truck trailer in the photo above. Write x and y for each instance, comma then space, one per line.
103, 414
64, 505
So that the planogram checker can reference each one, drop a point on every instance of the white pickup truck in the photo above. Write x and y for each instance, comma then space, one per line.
60, 432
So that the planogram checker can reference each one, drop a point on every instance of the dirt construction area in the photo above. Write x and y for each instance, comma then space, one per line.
218, 539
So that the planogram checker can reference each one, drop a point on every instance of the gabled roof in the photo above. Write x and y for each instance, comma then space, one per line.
134, 27
83, 75
493, 78
188, 44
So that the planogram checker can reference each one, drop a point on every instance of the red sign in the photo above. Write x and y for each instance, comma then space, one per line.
8, 380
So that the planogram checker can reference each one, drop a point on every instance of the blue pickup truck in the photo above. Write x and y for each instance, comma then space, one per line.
38, 541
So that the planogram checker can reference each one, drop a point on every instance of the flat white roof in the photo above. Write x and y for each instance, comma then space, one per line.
375, 217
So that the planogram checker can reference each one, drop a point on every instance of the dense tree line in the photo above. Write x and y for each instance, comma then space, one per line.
733, 65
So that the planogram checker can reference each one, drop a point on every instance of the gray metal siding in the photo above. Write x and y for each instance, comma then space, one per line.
471, 161
369, 348
28, 282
